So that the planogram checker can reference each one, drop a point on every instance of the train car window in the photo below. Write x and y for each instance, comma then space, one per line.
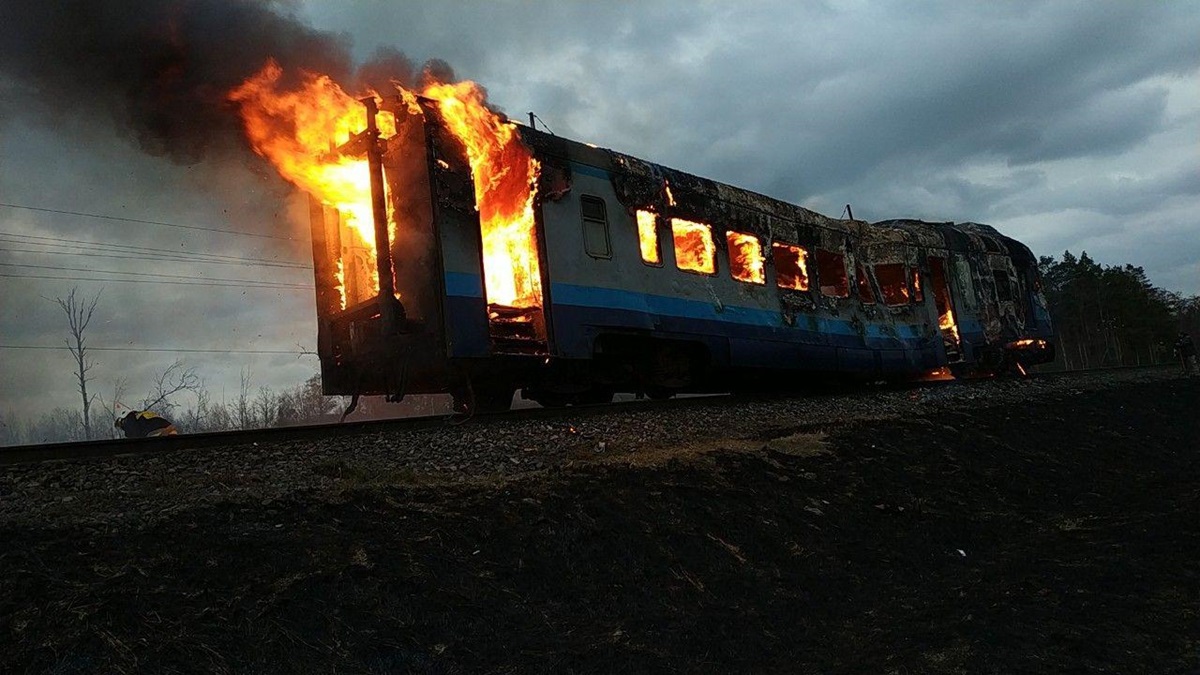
865, 294
1003, 289
745, 258
791, 266
647, 224
893, 284
595, 227
694, 248
961, 270
831, 271
915, 282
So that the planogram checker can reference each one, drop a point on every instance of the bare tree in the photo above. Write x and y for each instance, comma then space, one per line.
245, 408
266, 407
79, 315
176, 378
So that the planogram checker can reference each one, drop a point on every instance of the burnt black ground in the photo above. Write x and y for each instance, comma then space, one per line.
1059, 535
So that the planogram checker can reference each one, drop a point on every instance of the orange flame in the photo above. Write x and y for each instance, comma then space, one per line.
505, 174
648, 236
295, 127
694, 248
946, 322
791, 266
746, 258
295, 130
937, 374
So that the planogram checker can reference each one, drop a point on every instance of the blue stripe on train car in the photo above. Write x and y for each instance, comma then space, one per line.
751, 337
466, 285
663, 305
466, 316
736, 336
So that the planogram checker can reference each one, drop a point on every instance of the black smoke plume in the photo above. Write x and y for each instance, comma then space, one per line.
161, 69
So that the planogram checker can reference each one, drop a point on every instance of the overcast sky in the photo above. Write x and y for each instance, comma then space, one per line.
1068, 125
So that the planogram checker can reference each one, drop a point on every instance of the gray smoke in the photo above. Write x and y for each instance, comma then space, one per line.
160, 70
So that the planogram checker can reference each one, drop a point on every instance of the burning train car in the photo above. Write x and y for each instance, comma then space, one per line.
455, 251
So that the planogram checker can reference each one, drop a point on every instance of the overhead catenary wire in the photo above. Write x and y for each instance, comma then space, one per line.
41, 240
249, 262
257, 282
143, 221
263, 286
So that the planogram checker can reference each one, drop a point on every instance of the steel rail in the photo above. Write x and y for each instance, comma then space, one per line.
110, 448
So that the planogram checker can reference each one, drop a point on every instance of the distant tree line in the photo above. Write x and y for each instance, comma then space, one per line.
302, 404
250, 408
1110, 315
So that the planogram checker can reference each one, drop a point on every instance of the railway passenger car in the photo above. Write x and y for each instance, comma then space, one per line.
649, 280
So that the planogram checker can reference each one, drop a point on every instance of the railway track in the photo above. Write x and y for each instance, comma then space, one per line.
102, 449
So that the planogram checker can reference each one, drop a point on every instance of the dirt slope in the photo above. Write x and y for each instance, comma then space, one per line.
1052, 536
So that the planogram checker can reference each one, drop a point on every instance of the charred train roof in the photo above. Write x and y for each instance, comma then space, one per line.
640, 184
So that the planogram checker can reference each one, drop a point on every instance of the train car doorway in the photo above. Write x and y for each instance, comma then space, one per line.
947, 324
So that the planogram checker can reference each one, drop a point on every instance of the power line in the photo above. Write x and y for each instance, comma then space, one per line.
257, 282
173, 283
169, 350
251, 262
128, 248
144, 222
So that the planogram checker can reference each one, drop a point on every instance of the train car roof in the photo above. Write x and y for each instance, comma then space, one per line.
642, 181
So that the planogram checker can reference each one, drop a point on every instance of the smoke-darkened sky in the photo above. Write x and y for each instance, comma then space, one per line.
1068, 125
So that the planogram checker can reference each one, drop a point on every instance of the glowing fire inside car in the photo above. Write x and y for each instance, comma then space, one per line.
694, 248
648, 236
746, 258
791, 266
505, 174
946, 322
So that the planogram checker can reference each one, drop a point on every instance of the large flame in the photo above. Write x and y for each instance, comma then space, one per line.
296, 127
505, 174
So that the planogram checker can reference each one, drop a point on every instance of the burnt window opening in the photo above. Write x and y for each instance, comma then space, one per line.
694, 248
791, 266
594, 215
745, 258
1003, 287
960, 272
915, 279
865, 294
647, 226
831, 271
893, 284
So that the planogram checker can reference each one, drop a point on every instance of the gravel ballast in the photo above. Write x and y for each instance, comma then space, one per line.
1037, 526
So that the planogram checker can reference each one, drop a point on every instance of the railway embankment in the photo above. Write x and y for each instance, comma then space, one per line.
1035, 525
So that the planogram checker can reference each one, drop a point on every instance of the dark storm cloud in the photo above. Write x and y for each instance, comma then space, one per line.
159, 69
819, 101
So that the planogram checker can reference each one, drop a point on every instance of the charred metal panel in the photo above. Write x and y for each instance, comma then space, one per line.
459, 239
